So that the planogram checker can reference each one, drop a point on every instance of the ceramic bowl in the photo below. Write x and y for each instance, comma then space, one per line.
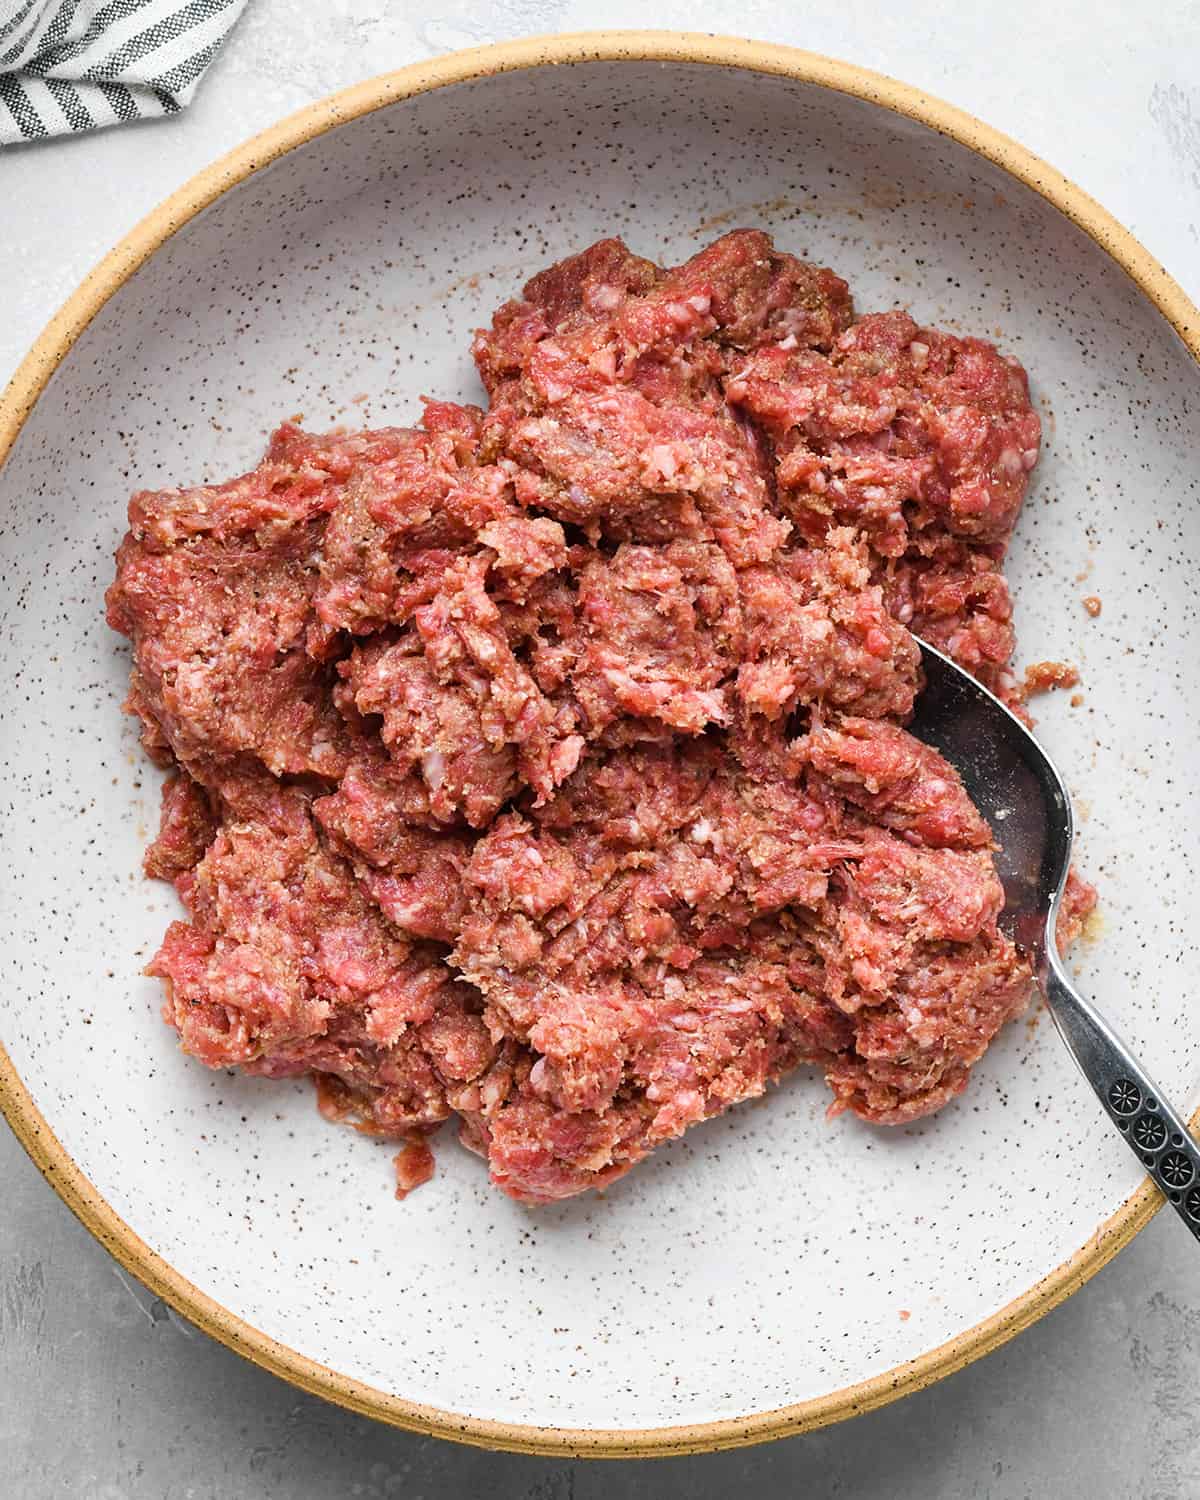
770, 1271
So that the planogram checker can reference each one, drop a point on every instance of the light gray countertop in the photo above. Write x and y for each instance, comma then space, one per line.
104, 1394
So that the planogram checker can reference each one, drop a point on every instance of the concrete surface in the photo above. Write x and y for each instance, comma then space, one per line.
105, 1395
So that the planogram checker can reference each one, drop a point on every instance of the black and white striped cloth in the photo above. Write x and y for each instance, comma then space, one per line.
69, 65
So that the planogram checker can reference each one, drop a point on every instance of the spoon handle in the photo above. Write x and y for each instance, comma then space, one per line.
1156, 1134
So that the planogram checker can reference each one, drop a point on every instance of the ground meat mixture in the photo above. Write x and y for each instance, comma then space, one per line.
1046, 676
544, 765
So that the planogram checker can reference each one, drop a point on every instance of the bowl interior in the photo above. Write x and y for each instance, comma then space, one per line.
769, 1257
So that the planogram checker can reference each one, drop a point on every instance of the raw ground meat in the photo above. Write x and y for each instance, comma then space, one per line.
1046, 676
545, 765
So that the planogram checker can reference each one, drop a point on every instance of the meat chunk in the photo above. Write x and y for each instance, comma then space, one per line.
186, 828
898, 783
897, 429
220, 661
659, 957
617, 465
817, 633
1046, 676
286, 967
657, 635
953, 594
411, 866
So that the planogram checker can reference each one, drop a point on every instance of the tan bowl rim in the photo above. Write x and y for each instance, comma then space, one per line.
17, 402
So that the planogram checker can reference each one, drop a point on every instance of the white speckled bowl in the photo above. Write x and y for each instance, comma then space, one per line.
770, 1271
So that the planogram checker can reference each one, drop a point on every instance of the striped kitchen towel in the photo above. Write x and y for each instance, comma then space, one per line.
70, 65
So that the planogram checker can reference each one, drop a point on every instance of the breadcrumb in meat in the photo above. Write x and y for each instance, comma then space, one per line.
544, 765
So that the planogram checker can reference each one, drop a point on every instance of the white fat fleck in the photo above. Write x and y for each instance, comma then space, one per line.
433, 768
703, 831
662, 461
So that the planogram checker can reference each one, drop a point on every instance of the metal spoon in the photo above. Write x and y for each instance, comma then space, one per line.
1021, 793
